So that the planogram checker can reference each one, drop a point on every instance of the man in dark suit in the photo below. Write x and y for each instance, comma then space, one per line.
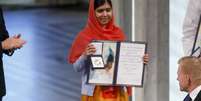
189, 77
7, 46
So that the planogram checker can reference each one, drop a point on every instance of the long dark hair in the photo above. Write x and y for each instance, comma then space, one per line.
98, 3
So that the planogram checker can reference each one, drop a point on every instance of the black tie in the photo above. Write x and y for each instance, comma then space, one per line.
188, 98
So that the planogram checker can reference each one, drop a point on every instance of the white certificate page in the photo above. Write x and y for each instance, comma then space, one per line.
130, 66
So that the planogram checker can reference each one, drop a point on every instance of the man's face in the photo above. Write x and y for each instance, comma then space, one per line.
183, 79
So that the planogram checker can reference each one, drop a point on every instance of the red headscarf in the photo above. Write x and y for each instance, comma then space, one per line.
93, 31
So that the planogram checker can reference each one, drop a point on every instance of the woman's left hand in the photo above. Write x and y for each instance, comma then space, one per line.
146, 58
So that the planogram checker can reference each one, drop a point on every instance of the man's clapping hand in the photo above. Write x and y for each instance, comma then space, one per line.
14, 42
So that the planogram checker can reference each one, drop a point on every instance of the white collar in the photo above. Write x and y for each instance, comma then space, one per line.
195, 92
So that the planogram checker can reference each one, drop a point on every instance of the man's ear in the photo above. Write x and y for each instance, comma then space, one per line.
188, 77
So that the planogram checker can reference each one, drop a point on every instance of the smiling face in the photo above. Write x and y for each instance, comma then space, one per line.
104, 14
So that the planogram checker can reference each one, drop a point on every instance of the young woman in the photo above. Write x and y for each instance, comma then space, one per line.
100, 26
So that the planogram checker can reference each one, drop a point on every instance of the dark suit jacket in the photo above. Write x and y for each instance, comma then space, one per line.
198, 98
3, 35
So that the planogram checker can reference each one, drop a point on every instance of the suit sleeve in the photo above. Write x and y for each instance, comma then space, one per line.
3, 34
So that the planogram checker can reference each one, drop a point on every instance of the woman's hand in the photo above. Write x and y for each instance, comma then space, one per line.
90, 49
146, 59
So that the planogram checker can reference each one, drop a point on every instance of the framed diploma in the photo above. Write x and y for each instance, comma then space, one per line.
196, 50
119, 63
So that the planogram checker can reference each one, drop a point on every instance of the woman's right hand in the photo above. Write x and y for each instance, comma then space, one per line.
89, 50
